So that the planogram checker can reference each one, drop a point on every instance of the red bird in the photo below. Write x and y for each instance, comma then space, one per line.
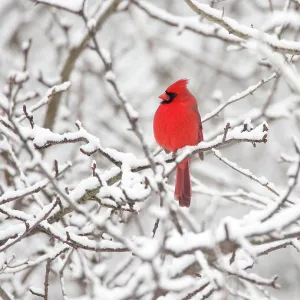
177, 123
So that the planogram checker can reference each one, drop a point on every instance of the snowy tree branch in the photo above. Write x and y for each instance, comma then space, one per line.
242, 31
185, 23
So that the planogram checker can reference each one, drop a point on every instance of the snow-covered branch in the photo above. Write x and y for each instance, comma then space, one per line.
261, 180
185, 23
237, 97
44, 138
74, 6
243, 31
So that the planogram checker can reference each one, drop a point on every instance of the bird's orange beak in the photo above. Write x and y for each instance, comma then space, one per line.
164, 97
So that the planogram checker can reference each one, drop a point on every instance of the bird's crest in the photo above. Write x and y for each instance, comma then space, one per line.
178, 86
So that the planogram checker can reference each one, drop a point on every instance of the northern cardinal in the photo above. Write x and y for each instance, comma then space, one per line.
177, 123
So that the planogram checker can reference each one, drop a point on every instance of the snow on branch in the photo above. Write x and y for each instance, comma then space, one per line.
73, 6
261, 180
30, 225
45, 100
44, 138
289, 73
35, 188
232, 233
237, 97
91, 188
235, 135
243, 31
185, 23
64, 236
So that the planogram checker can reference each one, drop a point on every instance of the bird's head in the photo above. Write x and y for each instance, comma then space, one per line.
176, 89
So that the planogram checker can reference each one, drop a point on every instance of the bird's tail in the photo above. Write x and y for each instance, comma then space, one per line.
183, 191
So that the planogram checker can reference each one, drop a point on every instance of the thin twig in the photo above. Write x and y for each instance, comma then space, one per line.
46, 282
245, 172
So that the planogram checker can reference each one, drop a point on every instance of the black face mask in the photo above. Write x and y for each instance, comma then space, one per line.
171, 97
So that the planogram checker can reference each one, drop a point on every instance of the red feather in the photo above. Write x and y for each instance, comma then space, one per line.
176, 124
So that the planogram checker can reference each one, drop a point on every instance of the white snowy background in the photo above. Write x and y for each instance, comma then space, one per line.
81, 182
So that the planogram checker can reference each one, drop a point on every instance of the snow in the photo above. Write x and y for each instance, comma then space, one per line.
263, 180
42, 137
100, 270
279, 18
175, 265
106, 55
235, 134
59, 88
45, 100
176, 284
29, 95
102, 244
144, 247
236, 97
92, 24
17, 214
283, 109
189, 241
52, 253
110, 76
85, 185
111, 191
245, 30
159, 212
131, 111
277, 60
211, 275
18, 77
25, 45
237, 231
188, 23
217, 95
13, 195
133, 185
74, 6
247, 125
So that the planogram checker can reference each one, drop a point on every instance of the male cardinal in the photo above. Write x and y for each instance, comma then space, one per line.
177, 123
